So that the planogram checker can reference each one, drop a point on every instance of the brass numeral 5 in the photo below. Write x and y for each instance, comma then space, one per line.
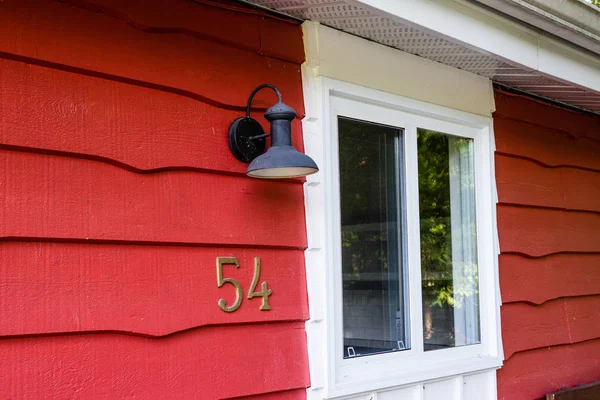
239, 293
221, 281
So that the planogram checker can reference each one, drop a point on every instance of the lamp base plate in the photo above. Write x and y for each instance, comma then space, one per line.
240, 144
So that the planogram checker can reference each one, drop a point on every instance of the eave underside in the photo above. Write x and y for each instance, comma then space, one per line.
371, 23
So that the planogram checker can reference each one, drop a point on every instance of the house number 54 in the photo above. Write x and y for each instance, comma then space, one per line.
239, 293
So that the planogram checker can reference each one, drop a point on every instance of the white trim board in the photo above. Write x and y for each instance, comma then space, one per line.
349, 58
330, 376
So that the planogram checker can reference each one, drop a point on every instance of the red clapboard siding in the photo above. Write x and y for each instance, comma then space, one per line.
546, 146
289, 395
118, 192
103, 44
153, 290
524, 182
539, 232
141, 128
530, 375
229, 25
581, 189
548, 177
556, 322
537, 280
207, 363
525, 109
58, 197
527, 183
280, 41
233, 24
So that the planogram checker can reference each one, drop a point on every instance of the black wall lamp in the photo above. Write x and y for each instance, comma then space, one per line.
282, 160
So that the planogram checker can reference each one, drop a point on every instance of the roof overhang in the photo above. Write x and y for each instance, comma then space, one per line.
575, 21
469, 36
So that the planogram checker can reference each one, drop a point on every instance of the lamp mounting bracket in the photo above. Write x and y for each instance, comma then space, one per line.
246, 135
246, 139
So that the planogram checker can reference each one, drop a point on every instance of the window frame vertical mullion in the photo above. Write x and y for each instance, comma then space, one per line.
413, 237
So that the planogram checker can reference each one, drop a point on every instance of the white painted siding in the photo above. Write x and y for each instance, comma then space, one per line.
481, 386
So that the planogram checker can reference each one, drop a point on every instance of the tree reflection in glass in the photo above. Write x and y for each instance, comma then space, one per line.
449, 268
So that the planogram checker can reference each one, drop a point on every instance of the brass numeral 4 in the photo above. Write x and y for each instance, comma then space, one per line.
265, 291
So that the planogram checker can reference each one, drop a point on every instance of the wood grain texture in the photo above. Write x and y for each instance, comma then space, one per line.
548, 179
207, 363
564, 321
537, 280
543, 145
522, 108
278, 40
92, 42
149, 290
139, 128
58, 197
527, 183
539, 232
287, 395
224, 22
118, 192
530, 375
582, 392
524, 182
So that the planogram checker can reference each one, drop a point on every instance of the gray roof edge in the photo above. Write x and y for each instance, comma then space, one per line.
572, 20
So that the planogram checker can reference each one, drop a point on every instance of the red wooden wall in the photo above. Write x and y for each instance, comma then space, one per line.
548, 177
118, 192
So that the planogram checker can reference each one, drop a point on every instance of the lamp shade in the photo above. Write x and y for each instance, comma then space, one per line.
281, 162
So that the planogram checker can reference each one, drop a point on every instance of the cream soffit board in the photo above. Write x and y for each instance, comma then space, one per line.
338, 55
456, 34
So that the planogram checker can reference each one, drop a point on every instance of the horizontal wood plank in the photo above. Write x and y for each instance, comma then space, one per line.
538, 232
526, 327
141, 128
45, 196
582, 392
288, 395
207, 363
557, 322
524, 182
537, 280
151, 290
228, 22
581, 189
527, 109
582, 315
532, 374
75, 37
281, 41
235, 26
547, 169
547, 146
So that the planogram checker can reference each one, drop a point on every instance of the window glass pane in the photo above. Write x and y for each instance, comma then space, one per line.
448, 240
374, 308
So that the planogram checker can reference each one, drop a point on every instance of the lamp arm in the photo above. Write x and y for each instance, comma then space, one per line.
259, 87
264, 135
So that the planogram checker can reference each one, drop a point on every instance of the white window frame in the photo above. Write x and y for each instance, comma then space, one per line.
334, 376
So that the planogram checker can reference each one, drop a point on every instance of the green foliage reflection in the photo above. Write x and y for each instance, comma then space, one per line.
434, 205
